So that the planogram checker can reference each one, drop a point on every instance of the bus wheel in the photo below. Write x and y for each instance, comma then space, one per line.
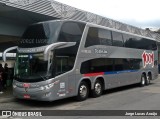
83, 91
143, 80
97, 91
148, 79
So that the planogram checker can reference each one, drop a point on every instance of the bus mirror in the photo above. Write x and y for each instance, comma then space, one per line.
56, 46
67, 45
7, 50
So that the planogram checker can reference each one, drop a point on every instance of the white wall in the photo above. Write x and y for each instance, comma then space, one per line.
9, 62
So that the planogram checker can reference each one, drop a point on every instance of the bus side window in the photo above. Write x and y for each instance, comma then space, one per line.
117, 39
97, 65
131, 41
105, 37
97, 36
92, 37
71, 32
118, 64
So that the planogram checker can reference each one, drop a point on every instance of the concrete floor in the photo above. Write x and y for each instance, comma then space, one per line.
126, 98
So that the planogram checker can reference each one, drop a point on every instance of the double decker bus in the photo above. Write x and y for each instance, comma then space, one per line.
64, 58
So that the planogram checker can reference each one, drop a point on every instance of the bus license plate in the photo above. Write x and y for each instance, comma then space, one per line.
26, 96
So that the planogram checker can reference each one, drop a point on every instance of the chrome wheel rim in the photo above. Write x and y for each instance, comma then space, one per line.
148, 79
83, 91
143, 81
98, 88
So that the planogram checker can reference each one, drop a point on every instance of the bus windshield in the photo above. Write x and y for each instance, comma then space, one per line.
31, 67
40, 35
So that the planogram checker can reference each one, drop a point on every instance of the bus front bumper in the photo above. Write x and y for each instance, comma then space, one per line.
45, 95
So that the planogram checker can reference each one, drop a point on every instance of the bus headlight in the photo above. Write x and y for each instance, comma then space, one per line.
14, 86
42, 88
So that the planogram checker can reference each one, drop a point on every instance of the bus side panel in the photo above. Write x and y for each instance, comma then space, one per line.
121, 79
72, 85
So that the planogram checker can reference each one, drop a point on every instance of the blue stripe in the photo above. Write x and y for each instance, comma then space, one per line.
118, 72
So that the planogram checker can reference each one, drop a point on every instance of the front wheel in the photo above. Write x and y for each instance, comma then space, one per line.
83, 91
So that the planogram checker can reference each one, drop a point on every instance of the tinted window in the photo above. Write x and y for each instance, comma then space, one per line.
117, 39
39, 34
110, 64
148, 44
139, 43
104, 37
98, 37
92, 37
97, 65
36, 32
63, 64
130, 41
65, 57
132, 64
118, 65
71, 32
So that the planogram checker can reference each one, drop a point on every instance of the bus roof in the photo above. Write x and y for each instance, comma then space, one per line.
95, 25
112, 29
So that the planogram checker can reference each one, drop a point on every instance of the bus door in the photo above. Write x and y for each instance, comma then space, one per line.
61, 64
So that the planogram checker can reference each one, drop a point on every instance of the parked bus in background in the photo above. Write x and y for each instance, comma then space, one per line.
64, 58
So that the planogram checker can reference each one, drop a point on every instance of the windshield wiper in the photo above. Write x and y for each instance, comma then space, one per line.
43, 77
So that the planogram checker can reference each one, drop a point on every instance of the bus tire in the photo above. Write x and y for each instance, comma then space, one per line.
98, 89
148, 79
83, 91
143, 80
